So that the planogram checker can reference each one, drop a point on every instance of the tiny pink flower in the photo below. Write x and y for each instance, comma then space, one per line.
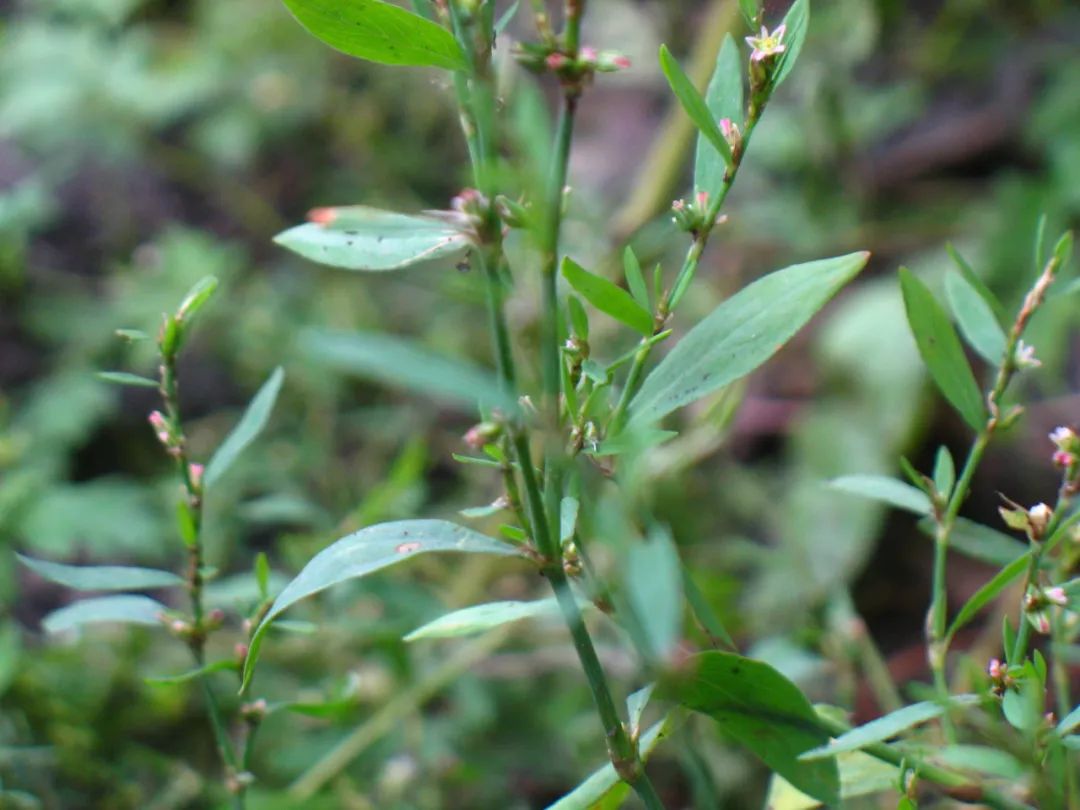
765, 44
678, 205
702, 200
196, 473
621, 62
1056, 596
996, 669
1025, 356
588, 54
1063, 459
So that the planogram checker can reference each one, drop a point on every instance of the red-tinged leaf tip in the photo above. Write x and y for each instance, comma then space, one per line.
322, 216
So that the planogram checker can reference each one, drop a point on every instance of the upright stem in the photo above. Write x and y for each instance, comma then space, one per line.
193, 495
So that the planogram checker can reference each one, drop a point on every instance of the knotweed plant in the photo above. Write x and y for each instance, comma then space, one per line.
563, 424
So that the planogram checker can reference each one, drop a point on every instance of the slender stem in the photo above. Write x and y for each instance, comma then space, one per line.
170, 393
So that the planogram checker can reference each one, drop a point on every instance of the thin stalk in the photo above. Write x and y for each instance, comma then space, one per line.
170, 394
686, 274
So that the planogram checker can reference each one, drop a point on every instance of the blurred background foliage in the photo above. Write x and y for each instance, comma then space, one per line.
147, 143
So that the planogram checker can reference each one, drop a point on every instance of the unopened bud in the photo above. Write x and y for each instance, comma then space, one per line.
1056, 596
196, 473
481, 434
1038, 518
214, 619
556, 61
253, 712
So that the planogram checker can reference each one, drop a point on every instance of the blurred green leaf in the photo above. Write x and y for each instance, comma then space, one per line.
400, 363
361, 238
653, 582
976, 283
607, 297
763, 710
224, 665
249, 427
126, 378
944, 472
980, 758
884, 489
635, 281
741, 334
797, 23
884, 728
196, 298
750, 10
635, 707
975, 318
479, 618
982, 543
101, 577
379, 32
724, 99
1069, 721
941, 350
124, 609
367, 551
987, 592
693, 103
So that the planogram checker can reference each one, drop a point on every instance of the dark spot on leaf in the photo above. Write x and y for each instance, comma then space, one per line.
405, 548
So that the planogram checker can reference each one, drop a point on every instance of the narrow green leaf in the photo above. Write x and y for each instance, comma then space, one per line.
361, 238
1069, 722
653, 582
741, 334
579, 320
977, 284
607, 297
635, 706
481, 618
941, 350
568, 515
763, 710
197, 298
750, 10
982, 759
987, 592
224, 665
976, 319
1063, 249
400, 363
693, 103
884, 489
885, 727
249, 427
1040, 243
367, 551
262, 574
379, 32
724, 98
704, 613
983, 543
126, 378
603, 787
101, 577
797, 24
944, 471
126, 609
635, 280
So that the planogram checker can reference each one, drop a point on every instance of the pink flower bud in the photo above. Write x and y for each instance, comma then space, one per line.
1063, 458
996, 669
702, 199
621, 62
1056, 596
322, 216
196, 473
556, 61
587, 54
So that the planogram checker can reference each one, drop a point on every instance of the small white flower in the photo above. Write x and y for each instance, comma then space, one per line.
1056, 596
766, 44
1025, 356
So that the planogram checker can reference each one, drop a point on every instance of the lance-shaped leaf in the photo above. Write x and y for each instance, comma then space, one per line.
480, 618
884, 489
101, 577
975, 317
401, 363
763, 710
724, 98
653, 582
379, 32
361, 238
884, 728
126, 609
370, 550
249, 427
796, 23
127, 378
607, 297
987, 592
604, 790
741, 334
693, 103
941, 350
